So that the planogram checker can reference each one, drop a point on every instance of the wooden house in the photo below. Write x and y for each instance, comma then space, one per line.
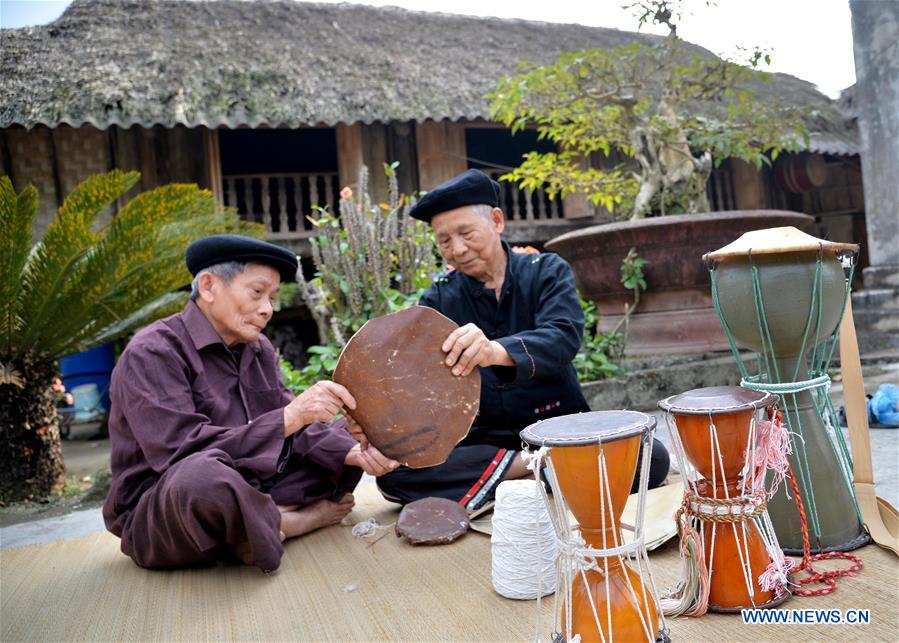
275, 106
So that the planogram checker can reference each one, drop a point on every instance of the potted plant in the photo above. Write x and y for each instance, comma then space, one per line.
672, 111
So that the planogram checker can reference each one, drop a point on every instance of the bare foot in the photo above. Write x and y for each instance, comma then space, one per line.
297, 522
243, 553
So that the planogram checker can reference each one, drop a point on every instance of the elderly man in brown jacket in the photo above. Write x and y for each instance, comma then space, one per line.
212, 457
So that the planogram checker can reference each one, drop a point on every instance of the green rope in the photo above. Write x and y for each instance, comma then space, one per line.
846, 294
764, 332
846, 459
808, 321
767, 378
730, 338
819, 291
808, 490
785, 387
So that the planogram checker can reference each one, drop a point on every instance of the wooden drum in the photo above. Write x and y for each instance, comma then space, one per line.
781, 293
590, 460
716, 430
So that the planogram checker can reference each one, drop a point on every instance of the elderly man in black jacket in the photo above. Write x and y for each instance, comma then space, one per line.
520, 323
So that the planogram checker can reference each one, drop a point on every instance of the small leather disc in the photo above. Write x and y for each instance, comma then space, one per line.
410, 405
432, 521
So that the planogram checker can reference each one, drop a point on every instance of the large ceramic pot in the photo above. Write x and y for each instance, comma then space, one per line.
675, 315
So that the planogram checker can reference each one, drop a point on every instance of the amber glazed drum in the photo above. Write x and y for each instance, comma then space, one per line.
716, 432
590, 460
781, 293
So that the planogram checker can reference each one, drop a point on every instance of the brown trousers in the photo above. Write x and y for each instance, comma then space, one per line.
202, 506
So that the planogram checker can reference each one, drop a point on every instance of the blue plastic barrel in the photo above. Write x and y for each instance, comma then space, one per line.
92, 366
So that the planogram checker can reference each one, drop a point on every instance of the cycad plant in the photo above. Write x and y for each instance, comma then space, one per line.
81, 285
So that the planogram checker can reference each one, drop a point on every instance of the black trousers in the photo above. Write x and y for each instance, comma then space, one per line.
478, 464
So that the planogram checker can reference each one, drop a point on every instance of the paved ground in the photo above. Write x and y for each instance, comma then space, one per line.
85, 456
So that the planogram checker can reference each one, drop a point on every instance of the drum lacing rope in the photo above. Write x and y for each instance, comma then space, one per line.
733, 510
814, 576
819, 359
690, 597
576, 558
786, 387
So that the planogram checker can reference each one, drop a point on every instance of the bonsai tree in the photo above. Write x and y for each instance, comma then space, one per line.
673, 110
79, 287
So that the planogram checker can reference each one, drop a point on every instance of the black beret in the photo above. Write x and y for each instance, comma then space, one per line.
220, 248
469, 188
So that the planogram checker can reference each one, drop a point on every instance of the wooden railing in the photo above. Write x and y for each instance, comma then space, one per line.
526, 205
281, 201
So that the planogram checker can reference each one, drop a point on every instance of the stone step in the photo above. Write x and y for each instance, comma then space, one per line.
886, 276
877, 343
876, 298
878, 321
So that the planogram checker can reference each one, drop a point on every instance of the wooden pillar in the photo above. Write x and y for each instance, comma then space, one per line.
441, 152
749, 192
349, 154
213, 163
401, 148
148, 174
374, 155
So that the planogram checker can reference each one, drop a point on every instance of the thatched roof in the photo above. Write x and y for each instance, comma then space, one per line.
227, 63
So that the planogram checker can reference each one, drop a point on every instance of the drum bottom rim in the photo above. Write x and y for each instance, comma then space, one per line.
856, 543
661, 637
774, 602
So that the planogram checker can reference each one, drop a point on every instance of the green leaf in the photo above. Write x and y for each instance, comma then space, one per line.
80, 286
17, 214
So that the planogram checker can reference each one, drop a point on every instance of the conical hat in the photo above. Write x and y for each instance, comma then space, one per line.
774, 241
409, 404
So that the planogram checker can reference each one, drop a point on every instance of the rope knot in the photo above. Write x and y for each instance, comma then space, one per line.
774, 578
731, 510
573, 551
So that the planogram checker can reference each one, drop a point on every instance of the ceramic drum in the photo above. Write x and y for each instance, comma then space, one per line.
781, 293
590, 460
718, 432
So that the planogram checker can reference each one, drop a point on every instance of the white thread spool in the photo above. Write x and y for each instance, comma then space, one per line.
523, 542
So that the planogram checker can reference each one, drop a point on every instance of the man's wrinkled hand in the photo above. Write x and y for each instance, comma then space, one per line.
356, 431
321, 402
370, 460
468, 347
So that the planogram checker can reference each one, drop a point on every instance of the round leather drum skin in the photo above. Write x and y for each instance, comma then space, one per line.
410, 405
432, 521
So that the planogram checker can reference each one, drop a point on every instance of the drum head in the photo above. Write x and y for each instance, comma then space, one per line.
717, 399
410, 405
432, 521
775, 241
594, 427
